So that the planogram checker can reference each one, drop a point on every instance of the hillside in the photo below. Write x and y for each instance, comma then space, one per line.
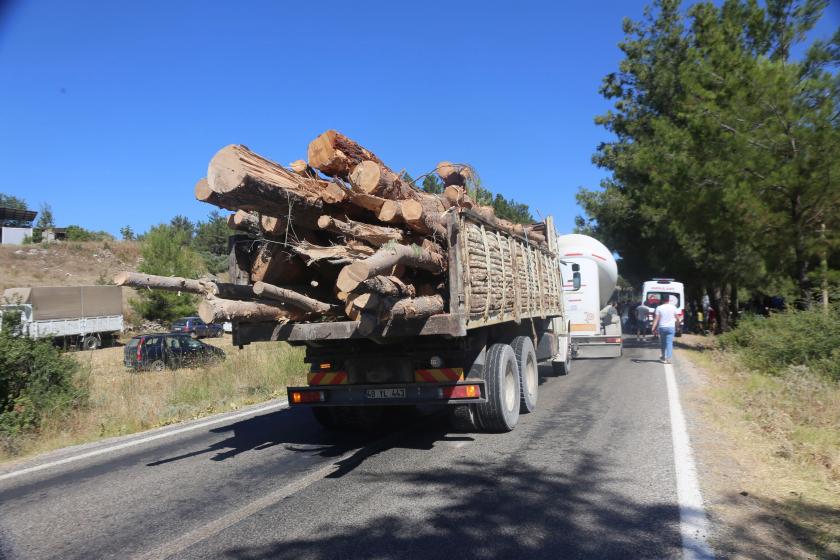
67, 264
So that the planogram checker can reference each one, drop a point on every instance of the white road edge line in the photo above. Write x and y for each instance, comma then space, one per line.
141, 441
694, 526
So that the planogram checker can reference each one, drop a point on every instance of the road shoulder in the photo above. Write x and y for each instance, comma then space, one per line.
759, 505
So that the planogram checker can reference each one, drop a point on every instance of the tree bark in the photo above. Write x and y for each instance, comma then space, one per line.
243, 221
375, 235
274, 265
412, 308
291, 297
334, 254
335, 155
203, 193
375, 178
187, 285
302, 168
389, 286
453, 173
384, 260
216, 310
243, 180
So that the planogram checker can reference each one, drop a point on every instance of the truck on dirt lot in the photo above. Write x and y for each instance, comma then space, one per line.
595, 326
504, 314
73, 316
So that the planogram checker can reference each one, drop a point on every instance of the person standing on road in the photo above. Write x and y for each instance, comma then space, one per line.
666, 321
641, 321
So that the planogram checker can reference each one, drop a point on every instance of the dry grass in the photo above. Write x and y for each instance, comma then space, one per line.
786, 434
123, 403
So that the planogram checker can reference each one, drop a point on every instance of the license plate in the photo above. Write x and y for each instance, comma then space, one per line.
389, 393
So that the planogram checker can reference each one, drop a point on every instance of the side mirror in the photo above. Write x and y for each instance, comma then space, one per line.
576, 280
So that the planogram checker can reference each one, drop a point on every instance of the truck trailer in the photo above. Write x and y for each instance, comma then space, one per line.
479, 358
595, 327
73, 316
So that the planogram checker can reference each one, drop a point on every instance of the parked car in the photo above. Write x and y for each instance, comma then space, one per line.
197, 328
156, 352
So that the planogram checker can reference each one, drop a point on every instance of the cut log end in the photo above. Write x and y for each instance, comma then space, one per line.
225, 172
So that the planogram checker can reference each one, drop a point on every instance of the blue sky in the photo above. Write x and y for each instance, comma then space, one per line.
110, 111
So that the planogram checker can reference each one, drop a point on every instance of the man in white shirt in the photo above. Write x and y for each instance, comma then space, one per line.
666, 321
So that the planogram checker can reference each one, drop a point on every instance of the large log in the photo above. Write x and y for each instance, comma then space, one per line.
203, 193
243, 180
383, 262
186, 285
274, 264
453, 173
291, 297
334, 254
377, 179
216, 310
412, 308
389, 286
243, 221
375, 235
335, 155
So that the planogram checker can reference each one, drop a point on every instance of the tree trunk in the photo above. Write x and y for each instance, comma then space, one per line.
335, 155
389, 286
800, 253
243, 221
384, 261
334, 254
203, 193
413, 308
215, 310
187, 285
375, 235
453, 174
290, 297
243, 180
274, 265
375, 178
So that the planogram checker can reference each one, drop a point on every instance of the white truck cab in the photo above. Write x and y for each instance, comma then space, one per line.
661, 290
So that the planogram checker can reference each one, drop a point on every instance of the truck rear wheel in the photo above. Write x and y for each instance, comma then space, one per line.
501, 375
526, 359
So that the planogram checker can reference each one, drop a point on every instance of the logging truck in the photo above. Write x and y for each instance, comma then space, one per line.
401, 297
479, 356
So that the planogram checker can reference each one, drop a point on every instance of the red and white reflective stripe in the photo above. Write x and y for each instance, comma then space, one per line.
598, 257
328, 378
438, 375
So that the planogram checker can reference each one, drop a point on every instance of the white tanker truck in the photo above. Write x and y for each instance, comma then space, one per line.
595, 328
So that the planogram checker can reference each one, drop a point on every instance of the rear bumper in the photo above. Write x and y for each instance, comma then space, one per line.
358, 395
596, 346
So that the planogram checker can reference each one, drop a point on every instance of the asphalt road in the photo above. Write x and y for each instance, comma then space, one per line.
589, 475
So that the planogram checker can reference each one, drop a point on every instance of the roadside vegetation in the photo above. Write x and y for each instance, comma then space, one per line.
101, 399
775, 388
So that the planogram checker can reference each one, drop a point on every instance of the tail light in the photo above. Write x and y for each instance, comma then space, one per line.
139, 346
460, 392
299, 397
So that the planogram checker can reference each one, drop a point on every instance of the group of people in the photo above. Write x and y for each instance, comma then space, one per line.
661, 320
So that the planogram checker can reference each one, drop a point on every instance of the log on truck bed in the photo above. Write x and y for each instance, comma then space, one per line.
493, 277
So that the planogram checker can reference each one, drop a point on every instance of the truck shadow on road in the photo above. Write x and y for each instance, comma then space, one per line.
297, 431
509, 509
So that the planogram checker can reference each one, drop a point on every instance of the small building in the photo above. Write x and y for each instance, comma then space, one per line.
15, 225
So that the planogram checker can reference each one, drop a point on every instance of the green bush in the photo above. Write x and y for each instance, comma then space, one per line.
35, 380
794, 338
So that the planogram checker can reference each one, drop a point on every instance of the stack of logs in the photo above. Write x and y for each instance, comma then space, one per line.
342, 236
